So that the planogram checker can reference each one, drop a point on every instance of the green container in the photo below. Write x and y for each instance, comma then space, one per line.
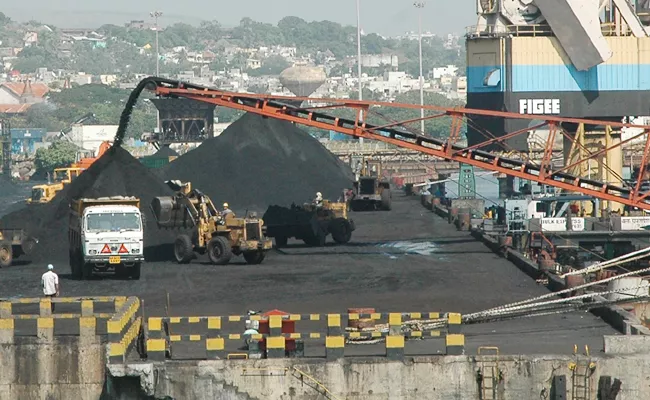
154, 162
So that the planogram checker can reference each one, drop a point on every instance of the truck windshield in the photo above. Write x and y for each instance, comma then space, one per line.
113, 222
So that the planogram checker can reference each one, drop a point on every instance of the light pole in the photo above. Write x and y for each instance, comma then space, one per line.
359, 61
155, 15
420, 5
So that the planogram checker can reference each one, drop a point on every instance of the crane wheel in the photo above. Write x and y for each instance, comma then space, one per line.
219, 250
6, 255
341, 231
183, 249
254, 257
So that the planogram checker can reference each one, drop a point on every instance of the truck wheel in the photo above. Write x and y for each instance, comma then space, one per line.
135, 271
386, 200
86, 271
219, 250
281, 241
341, 231
6, 255
183, 249
317, 240
254, 257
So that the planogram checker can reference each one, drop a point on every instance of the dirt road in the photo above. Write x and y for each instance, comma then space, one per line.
404, 260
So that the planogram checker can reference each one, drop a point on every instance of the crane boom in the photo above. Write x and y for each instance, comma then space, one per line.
395, 134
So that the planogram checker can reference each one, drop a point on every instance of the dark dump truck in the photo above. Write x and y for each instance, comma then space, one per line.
309, 223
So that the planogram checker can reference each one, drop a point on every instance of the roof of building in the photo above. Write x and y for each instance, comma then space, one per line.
14, 108
18, 88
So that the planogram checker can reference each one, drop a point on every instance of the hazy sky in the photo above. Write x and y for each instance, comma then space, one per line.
388, 17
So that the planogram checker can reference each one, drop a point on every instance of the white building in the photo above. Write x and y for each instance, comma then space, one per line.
449, 70
90, 137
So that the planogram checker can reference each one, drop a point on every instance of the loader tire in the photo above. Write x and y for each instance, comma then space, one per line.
341, 231
183, 249
6, 255
254, 257
28, 246
386, 199
219, 250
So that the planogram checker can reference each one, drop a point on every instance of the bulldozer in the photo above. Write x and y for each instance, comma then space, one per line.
13, 244
309, 223
42, 194
220, 236
371, 191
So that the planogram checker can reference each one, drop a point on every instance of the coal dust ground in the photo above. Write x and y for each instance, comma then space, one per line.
404, 260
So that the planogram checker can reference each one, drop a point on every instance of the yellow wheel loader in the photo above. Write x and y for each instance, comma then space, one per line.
208, 231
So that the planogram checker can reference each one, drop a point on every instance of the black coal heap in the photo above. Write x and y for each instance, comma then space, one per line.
257, 162
116, 173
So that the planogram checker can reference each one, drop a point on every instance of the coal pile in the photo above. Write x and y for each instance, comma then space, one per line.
7, 186
165, 151
258, 162
116, 173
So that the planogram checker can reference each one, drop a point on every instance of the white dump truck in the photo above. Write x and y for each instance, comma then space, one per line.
106, 235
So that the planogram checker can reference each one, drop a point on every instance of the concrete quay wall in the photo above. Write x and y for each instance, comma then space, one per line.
61, 368
444, 378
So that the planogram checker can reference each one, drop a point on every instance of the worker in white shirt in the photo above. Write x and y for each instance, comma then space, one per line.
50, 283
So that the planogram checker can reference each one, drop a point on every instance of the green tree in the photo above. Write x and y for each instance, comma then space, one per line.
273, 65
59, 154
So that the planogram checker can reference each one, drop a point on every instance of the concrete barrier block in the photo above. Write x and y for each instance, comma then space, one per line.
629, 344
45, 329
6, 330
334, 347
395, 347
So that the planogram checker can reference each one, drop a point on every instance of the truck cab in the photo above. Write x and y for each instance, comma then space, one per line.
106, 235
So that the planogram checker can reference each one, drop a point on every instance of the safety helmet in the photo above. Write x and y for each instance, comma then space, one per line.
225, 205
319, 194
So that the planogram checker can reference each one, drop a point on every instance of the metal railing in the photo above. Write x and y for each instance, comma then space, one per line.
279, 331
541, 30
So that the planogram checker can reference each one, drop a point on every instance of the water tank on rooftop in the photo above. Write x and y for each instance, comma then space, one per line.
303, 81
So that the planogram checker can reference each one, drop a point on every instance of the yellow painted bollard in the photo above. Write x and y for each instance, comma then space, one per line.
214, 344
156, 344
335, 341
455, 340
395, 339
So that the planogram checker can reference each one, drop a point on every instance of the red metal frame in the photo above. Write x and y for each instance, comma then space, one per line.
273, 107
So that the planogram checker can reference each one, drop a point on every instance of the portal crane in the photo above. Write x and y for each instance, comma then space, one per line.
395, 133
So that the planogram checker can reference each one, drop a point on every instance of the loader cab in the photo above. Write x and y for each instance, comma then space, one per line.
66, 175
366, 185
41, 194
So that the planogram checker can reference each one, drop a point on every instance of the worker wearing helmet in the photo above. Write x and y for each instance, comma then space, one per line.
318, 201
226, 210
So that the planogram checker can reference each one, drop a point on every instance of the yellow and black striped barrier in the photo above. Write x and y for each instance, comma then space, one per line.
159, 340
123, 329
122, 325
